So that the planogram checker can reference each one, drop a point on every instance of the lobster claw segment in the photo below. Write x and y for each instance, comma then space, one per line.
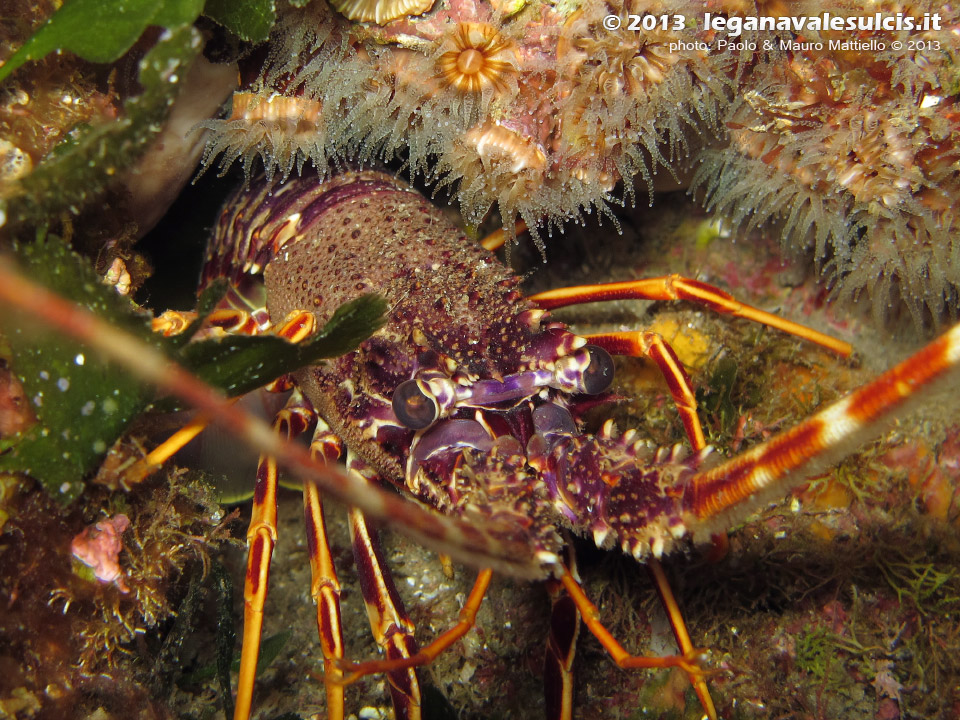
619, 490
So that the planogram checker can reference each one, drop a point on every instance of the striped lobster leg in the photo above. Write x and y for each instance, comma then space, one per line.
676, 287
653, 346
392, 628
325, 587
297, 326
656, 348
295, 419
720, 496
561, 646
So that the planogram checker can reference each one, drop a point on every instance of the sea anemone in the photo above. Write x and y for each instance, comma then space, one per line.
440, 87
281, 130
476, 59
494, 162
662, 86
538, 111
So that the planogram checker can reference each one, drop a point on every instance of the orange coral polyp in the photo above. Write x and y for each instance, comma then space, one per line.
495, 144
470, 62
480, 58
380, 11
301, 113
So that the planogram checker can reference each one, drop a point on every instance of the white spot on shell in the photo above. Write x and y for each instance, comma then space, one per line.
546, 557
63, 384
79, 359
656, 547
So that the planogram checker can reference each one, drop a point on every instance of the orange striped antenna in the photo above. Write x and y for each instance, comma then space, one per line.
723, 495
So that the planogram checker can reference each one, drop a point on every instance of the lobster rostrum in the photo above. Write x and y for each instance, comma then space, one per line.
469, 399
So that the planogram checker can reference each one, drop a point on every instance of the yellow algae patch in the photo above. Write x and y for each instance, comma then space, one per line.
692, 346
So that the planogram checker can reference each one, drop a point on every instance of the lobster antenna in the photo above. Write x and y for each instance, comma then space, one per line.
723, 495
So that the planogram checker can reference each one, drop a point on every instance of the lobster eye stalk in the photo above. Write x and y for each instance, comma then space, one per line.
598, 374
414, 405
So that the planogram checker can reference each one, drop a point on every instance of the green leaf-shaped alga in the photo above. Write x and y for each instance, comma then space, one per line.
249, 20
81, 403
101, 30
75, 172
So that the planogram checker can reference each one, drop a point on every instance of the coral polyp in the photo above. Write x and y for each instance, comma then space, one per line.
494, 161
281, 130
298, 105
380, 11
479, 59
659, 77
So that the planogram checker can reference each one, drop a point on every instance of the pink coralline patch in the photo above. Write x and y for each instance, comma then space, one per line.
888, 709
935, 473
99, 547
15, 415
833, 611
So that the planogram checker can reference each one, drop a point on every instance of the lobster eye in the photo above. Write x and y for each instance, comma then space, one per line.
598, 374
413, 407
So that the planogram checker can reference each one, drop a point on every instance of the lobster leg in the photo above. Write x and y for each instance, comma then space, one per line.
325, 587
561, 646
680, 631
392, 628
721, 495
497, 239
172, 322
298, 325
653, 346
291, 422
466, 620
591, 617
676, 287
565, 618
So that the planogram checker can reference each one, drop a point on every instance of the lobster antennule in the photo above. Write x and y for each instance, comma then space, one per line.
722, 495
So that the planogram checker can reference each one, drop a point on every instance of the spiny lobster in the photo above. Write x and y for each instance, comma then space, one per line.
468, 401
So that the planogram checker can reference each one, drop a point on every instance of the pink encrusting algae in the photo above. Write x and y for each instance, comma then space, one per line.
98, 547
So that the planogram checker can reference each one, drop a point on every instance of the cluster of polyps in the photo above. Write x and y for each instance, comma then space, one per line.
536, 109
856, 154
